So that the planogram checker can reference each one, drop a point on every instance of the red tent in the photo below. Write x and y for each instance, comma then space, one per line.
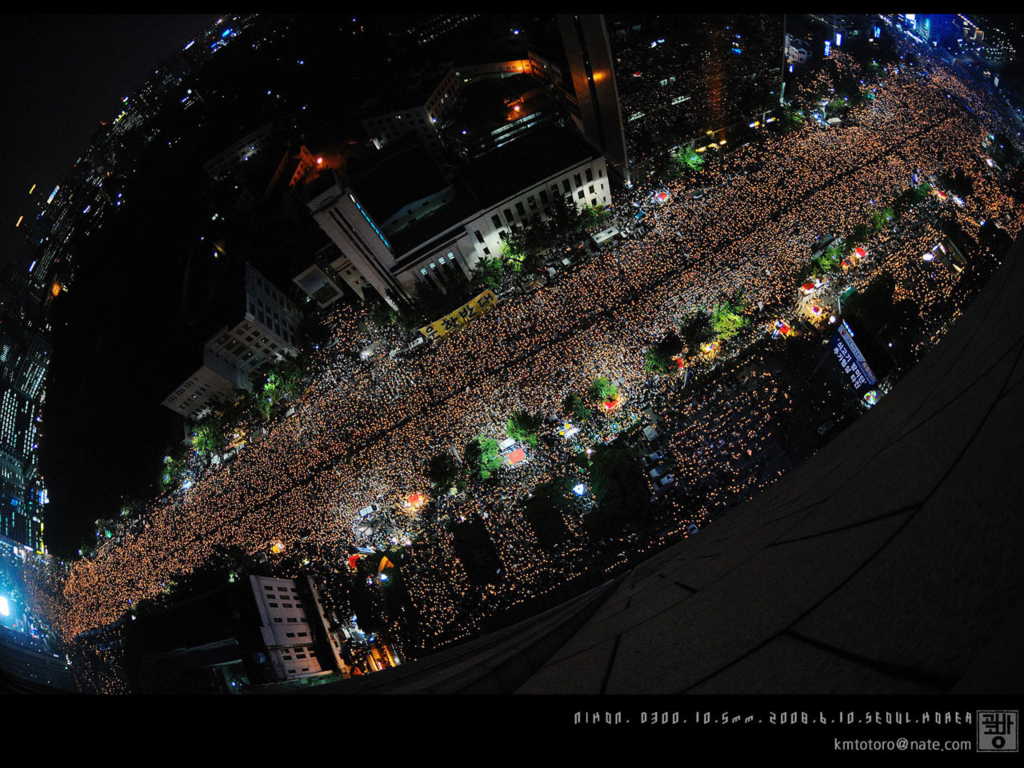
516, 456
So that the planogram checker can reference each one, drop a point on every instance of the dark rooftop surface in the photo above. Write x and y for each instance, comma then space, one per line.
495, 177
521, 163
401, 174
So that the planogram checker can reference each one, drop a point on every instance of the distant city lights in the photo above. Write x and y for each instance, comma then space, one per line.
52, 195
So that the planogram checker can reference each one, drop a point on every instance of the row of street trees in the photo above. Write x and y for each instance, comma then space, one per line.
723, 322
274, 387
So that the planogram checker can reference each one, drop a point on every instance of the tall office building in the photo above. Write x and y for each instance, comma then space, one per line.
588, 50
24, 360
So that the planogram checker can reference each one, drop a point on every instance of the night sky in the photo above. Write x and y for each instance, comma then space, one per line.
61, 76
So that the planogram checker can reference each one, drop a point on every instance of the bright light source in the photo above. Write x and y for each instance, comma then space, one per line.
579, 489
5, 608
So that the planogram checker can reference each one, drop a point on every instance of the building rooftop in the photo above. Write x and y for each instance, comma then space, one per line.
482, 183
401, 173
522, 163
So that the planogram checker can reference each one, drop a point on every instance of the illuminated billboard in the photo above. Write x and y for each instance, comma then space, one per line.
851, 359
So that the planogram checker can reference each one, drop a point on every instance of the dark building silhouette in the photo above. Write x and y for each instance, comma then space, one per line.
591, 65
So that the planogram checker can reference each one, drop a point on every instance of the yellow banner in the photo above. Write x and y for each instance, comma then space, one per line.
469, 311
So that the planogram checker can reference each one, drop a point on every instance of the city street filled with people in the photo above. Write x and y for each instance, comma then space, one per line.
364, 431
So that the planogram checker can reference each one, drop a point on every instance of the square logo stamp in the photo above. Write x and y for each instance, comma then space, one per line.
997, 730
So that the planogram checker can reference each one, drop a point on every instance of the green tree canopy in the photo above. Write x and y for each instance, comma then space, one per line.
728, 319
696, 328
208, 436
525, 426
487, 274
173, 463
444, 471
601, 390
688, 160
656, 361
513, 248
659, 358
565, 219
831, 257
576, 407
483, 457
594, 216
792, 119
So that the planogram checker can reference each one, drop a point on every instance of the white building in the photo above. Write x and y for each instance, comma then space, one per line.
429, 228
295, 629
264, 326
797, 51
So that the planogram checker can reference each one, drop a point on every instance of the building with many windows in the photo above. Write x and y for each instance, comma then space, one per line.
252, 631
406, 223
414, 110
240, 152
261, 325
592, 67
24, 362
295, 629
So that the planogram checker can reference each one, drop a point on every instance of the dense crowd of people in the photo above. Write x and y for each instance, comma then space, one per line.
364, 431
